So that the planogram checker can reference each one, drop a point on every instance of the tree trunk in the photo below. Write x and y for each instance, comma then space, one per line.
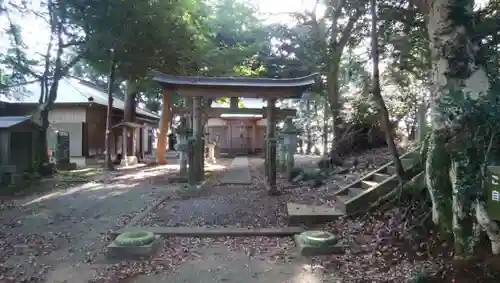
309, 131
47, 97
380, 100
41, 154
325, 128
129, 116
334, 95
456, 72
109, 161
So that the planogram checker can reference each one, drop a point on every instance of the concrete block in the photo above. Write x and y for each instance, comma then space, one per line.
115, 251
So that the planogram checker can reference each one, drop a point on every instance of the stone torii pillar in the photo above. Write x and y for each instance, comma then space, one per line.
271, 148
198, 158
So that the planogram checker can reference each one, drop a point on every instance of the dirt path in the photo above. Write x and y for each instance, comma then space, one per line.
60, 237
217, 262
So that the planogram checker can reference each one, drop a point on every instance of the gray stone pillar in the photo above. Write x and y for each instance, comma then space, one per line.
271, 147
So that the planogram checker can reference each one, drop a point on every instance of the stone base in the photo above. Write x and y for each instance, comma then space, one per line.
178, 179
211, 160
172, 154
311, 214
308, 250
115, 251
129, 160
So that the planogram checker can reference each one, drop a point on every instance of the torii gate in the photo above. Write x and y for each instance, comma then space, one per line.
197, 87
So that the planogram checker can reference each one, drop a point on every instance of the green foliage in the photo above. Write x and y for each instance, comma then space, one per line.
144, 35
474, 120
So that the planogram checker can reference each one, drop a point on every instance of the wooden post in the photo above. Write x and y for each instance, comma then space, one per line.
271, 147
197, 135
233, 102
162, 135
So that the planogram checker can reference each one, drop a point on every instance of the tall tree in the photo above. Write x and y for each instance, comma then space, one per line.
63, 39
377, 94
462, 102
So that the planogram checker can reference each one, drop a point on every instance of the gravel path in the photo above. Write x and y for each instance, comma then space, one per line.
60, 236
224, 205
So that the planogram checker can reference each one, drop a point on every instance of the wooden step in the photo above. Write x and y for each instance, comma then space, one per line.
368, 184
391, 169
406, 162
355, 191
343, 198
380, 177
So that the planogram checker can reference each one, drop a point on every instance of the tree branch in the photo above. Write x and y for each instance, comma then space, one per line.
73, 43
346, 33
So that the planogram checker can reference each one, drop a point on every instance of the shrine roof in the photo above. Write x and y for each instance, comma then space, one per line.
7, 122
233, 81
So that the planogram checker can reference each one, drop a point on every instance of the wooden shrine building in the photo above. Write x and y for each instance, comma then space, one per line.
236, 133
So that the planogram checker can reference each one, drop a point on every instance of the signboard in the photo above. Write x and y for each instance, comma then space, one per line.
62, 147
493, 191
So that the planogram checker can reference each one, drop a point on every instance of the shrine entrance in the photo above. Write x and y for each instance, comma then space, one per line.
240, 135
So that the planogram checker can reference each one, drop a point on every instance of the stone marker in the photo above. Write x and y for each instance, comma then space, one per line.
134, 245
313, 243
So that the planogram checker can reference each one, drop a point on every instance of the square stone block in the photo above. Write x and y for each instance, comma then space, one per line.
129, 160
115, 251
308, 250
178, 179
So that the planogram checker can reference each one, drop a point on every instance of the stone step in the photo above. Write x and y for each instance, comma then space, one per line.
311, 214
215, 232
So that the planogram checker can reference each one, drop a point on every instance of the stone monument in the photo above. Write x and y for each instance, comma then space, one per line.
62, 152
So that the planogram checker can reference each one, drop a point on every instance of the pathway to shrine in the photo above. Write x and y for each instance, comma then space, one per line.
238, 172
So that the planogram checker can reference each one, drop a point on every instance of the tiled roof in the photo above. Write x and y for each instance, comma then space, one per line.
234, 81
71, 90
11, 121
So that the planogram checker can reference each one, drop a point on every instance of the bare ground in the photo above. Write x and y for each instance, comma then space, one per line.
59, 236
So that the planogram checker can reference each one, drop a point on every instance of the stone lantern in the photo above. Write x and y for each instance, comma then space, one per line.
290, 133
211, 152
281, 151
183, 134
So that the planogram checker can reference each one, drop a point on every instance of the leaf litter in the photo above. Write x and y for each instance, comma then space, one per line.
379, 245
